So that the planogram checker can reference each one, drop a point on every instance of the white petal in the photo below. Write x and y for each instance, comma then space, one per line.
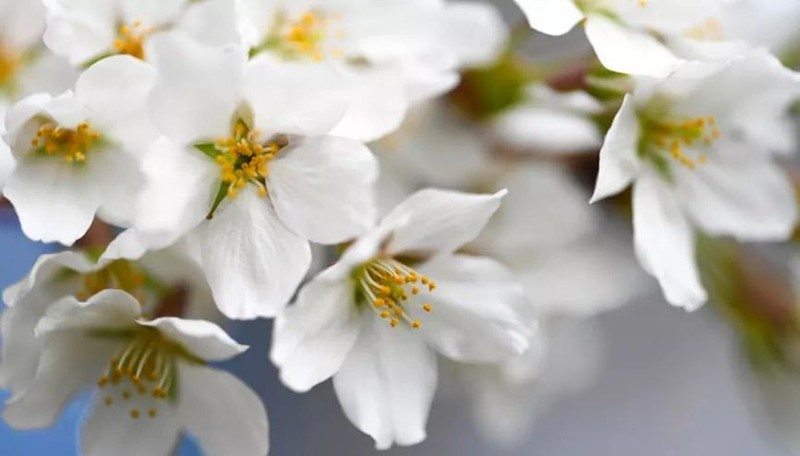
295, 98
55, 201
69, 361
197, 89
322, 188
202, 338
22, 23
434, 220
152, 13
108, 309
179, 190
225, 416
115, 90
44, 269
545, 209
553, 17
80, 30
118, 179
17, 122
387, 383
479, 311
312, 338
475, 32
366, 120
110, 429
628, 51
211, 22
764, 209
619, 161
545, 130
665, 243
252, 262
583, 279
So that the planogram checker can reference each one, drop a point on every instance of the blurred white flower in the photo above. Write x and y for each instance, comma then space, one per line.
76, 154
394, 53
6, 158
564, 359
463, 307
698, 148
248, 168
164, 282
25, 65
624, 33
152, 381
84, 32
551, 122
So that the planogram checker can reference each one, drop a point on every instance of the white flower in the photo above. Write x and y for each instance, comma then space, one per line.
248, 168
621, 30
550, 122
76, 153
84, 32
375, 320
558, 246
152, 381
6, 158
165, 282
564, 359
698, 148
25, 65
393, 52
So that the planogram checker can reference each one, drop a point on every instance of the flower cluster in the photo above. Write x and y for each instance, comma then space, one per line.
221, 143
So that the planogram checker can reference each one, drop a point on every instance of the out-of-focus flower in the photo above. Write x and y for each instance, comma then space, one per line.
165, 282
394, 53
624, 33
398, 295
25, 65
6, 158
84, 32
564, 359
76, 154
698, 156
550, 122
248, 168
152, 381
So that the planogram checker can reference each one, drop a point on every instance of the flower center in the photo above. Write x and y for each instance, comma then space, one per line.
147, 365
710, 30
386, 285
10, 62
120, 275
244, 159
305, 37
130, 39
71, 144
682, 139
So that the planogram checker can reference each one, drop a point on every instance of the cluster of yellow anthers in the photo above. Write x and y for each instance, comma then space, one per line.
700, 131
130, 39
72, 144
243, 158
306, 36
386, 284
119, 275
146, 366
10, 62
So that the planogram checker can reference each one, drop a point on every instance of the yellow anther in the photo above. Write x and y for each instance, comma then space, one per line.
152, 413
109, 400
388, 285
126, 395
72, 145
134, 414
243, 159
684, 137
416, 324
130, 39
102, 382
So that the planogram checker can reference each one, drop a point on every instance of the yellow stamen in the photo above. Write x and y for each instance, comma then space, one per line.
130, 39
677, 137
385, 283
71, 144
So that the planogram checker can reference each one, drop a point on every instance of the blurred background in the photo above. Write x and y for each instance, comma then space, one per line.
655, 379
